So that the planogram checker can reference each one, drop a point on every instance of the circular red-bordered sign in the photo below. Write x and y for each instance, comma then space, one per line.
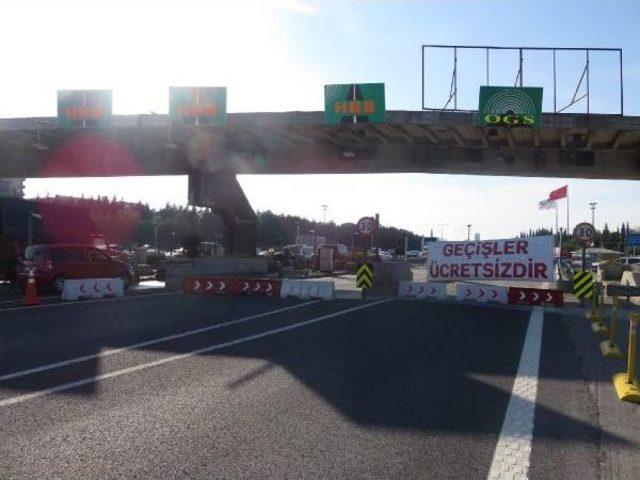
366, 225
584, 233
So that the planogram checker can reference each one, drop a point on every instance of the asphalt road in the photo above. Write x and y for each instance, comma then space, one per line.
167, 386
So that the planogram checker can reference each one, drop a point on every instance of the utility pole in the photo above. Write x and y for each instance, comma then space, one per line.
593, 213
593, 217
442, 225
324, 220
30, 226
468, 232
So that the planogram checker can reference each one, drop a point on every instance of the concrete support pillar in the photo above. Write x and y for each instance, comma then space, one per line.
222, 192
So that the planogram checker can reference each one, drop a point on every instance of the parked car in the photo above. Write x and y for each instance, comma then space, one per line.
40, 222
55, 263
630, 260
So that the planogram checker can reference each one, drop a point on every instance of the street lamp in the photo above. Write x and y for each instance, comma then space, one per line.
30, 226
315, 240
324, 220
468, 232
593, 216
442, 225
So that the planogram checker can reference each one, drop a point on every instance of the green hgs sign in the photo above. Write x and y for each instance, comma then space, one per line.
84, 108
354, 103
510, 106
198, 105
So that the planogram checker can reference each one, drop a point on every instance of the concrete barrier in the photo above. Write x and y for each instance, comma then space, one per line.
478, 292
177, 270
257, 287
630, 278
92, 288
306, 289
388, 275
422, 290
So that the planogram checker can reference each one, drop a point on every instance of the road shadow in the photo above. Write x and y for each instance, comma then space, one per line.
399, 366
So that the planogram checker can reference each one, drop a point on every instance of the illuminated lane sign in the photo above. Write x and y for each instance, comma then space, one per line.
84, 108
354, 103
510, 106
198, 105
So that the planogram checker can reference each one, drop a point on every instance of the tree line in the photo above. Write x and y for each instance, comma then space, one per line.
171, 225
131, 224
605, 238
174, 224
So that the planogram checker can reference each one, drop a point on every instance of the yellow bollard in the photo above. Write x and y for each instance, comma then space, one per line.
608, 347
597, 325
593, 314
626, 384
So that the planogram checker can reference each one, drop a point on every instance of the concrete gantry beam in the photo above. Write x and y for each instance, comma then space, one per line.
221, 192
299, 142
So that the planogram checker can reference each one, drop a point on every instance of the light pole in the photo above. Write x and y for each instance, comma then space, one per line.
593, 217
324, 220
468, 232
30, 226
315, 240
442, 225
155, 235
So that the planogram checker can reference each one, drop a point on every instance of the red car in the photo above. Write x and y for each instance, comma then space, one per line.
55, 263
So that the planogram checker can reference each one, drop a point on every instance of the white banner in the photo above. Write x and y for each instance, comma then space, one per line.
522, 259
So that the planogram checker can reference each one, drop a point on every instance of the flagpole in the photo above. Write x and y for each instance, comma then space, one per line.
567, 209
557, 231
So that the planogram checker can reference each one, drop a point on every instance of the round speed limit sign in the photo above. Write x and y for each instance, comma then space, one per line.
366, 225
584, 233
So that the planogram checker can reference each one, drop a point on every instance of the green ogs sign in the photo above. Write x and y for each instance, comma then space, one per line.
510, 106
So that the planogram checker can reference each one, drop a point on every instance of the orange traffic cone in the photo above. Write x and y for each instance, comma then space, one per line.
30, 293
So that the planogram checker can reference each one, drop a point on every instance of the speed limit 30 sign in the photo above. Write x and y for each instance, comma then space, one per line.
366, 225
584, 233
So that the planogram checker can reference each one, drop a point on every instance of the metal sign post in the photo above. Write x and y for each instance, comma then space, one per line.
584, 233
366, 227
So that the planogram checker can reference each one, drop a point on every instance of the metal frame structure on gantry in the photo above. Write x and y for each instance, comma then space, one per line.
519, 80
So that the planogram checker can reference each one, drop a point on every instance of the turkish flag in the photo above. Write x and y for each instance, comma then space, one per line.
559, 193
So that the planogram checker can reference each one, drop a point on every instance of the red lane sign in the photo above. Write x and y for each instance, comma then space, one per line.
584, 233
366, 225
536, 296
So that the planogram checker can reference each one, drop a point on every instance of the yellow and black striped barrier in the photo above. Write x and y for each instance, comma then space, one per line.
364, 275
583, 284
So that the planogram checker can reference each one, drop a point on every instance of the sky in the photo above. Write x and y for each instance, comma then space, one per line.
276, 55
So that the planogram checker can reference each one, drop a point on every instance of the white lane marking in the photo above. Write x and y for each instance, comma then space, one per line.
146, 343
511, 457
17, 300
84, 302
174, 358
